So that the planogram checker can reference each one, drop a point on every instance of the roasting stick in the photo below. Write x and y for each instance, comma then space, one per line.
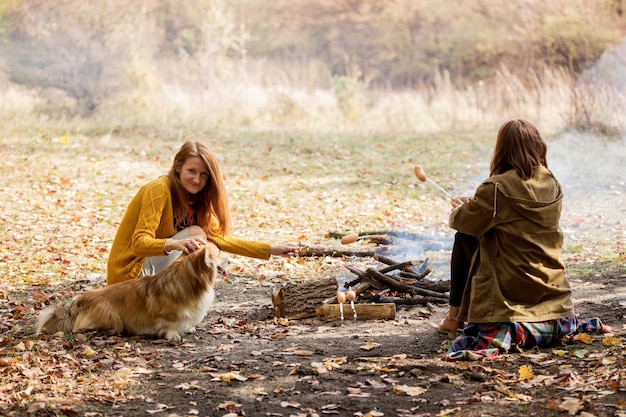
351, 295
421, 175
341, 297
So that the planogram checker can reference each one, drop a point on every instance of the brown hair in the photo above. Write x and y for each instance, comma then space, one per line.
212, 201
519, 146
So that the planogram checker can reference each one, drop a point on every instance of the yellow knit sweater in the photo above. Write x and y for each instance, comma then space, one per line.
148, 223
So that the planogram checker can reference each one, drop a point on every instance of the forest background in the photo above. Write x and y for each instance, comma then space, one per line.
402, 65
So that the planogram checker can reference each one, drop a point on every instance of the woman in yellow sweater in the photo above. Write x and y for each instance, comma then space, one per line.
176, 214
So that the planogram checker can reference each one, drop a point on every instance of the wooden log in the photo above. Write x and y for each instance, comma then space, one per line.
439, 286
414, 300
358, 289
425, 270
379, 239
395, 234
403, 266
395, 284
413, 275
332, 312
375, 281
384, 259
333, 252
364, 277
301, 300
356, 271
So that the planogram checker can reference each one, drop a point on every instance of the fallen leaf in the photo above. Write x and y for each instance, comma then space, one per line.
228, 376
584, 338
369, 345
408, 390
449, 412
611, 341
526, 372
185, 386
357, 392
376, 384
159, 409
293, 404
572, 406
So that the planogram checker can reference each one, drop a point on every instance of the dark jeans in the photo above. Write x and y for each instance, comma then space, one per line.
462, 252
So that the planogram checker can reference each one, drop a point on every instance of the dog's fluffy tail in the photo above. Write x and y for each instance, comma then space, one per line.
55, 319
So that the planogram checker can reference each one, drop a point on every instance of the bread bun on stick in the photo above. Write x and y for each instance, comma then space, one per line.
350, 295
341, 297
419, 173
349, 238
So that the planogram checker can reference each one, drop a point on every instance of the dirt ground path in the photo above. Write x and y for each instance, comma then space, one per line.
244, 362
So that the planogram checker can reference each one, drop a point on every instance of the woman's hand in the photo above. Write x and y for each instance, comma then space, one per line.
187, 245
458, 202
284, 249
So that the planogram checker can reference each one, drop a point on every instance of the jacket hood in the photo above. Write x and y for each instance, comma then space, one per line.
537, 199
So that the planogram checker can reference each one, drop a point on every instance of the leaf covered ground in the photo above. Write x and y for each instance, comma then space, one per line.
63, 196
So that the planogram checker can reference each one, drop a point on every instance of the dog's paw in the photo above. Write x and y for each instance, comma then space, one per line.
173, 335
190, 330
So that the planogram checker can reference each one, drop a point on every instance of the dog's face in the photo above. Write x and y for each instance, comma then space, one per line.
201, 263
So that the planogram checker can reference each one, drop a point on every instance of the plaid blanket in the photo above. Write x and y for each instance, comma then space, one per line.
483, 341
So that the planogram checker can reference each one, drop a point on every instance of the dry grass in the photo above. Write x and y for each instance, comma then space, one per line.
551, 100
64, 195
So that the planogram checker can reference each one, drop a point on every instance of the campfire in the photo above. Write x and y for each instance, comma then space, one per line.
371, 292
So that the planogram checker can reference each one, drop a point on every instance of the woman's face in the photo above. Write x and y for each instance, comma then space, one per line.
193, 175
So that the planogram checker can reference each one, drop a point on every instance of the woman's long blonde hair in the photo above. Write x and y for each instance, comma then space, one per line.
211, 210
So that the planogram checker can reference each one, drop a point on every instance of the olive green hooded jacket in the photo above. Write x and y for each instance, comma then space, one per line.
517, 274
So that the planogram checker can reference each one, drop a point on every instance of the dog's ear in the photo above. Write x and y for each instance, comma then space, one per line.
205, 256
212, 253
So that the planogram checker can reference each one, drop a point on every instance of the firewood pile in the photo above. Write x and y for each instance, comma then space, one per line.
378, 289
401, 283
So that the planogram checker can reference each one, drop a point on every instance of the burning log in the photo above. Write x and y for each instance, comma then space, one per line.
416, 290
439, 286
397, 285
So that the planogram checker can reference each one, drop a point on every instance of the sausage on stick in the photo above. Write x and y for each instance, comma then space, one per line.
349, 238
421, 175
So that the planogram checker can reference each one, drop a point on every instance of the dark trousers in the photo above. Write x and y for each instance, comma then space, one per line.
463, 250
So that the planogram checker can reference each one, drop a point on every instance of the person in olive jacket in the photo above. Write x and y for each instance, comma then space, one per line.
508, 280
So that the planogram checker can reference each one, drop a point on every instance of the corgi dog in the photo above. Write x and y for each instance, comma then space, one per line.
166, 304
